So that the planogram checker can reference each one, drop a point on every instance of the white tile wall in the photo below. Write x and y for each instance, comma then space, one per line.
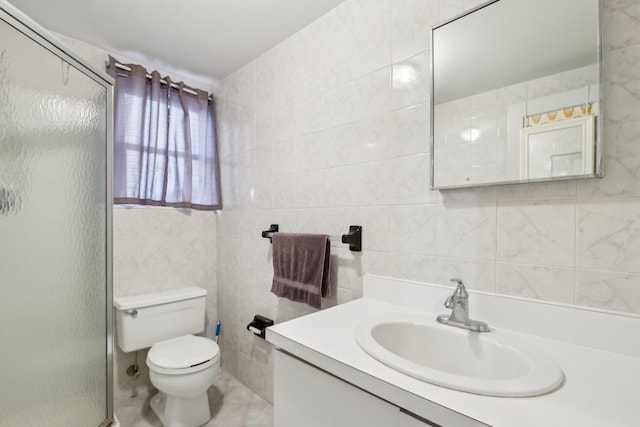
330, 128
539, 232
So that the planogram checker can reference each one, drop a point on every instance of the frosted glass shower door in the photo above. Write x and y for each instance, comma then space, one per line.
54, 284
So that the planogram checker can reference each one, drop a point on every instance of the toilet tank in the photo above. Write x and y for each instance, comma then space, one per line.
143, 320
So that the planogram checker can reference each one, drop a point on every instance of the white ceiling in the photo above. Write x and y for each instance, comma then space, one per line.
204, 40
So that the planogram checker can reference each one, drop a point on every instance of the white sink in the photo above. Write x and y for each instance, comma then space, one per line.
488, 363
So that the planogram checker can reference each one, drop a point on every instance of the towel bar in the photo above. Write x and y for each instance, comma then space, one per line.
353, 238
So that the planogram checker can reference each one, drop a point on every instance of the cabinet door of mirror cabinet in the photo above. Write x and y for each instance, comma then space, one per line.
517, 94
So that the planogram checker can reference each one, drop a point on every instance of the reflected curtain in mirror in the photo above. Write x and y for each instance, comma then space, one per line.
165, 150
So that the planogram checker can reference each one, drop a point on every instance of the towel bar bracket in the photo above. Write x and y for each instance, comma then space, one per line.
273, 228
353, 238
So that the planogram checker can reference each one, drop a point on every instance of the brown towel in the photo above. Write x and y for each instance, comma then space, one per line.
301, 265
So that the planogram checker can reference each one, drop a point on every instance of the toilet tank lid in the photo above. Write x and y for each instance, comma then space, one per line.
156, 298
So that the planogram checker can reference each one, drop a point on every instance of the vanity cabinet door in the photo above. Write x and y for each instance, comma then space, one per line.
305, 396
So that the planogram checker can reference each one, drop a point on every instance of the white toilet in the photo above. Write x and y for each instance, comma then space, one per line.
181, 366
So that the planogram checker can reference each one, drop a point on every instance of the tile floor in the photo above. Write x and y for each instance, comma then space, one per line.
232, 405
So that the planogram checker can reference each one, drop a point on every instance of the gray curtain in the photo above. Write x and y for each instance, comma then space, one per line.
165, 148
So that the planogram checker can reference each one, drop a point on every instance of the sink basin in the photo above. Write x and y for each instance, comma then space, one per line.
491, 363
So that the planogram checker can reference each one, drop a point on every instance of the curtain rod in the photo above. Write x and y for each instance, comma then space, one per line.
162, 81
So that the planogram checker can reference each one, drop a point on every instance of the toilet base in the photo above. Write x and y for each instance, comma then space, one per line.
180, 412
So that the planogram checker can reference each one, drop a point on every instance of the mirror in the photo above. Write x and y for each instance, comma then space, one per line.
517, 94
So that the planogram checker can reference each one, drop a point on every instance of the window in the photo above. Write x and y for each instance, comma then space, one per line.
165, 149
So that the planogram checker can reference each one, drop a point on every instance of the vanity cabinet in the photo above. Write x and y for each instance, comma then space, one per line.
324, 379
305, 396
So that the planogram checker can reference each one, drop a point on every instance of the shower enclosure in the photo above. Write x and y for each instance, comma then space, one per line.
55, 232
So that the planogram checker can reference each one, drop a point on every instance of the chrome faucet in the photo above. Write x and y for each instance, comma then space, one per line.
458, 302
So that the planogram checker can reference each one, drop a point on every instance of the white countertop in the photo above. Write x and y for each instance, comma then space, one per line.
600, 386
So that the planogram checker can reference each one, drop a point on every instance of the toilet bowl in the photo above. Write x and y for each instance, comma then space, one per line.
182, 366
183, 369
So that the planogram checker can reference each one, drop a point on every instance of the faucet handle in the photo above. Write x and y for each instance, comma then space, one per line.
451, 301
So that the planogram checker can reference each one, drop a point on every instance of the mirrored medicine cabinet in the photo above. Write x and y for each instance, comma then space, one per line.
516, 93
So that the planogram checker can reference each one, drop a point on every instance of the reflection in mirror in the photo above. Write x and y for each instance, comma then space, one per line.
516, 93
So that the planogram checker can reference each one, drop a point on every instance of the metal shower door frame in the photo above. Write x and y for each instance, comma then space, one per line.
39, 35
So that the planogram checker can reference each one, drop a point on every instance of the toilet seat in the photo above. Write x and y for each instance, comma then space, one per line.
183, 355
